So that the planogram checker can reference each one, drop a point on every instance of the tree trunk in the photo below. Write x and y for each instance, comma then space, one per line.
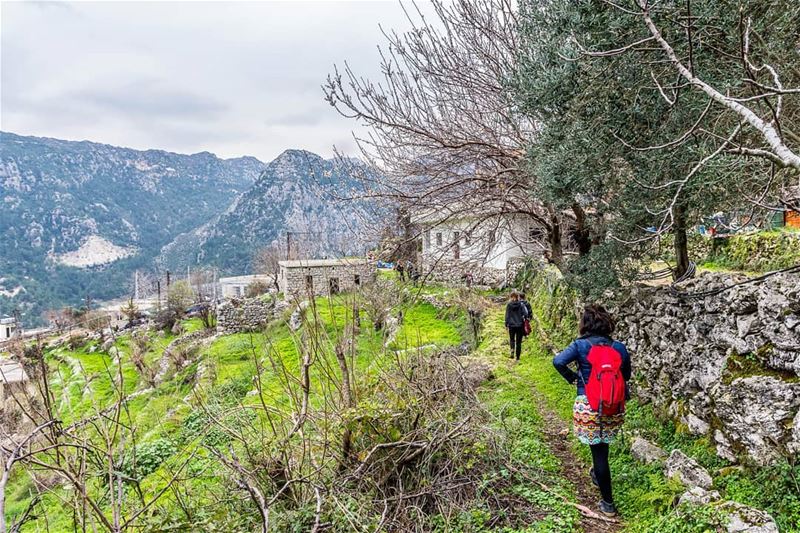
581, 234
681, 240
554, 237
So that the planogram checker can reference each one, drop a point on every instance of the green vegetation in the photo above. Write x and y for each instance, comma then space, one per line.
757, 252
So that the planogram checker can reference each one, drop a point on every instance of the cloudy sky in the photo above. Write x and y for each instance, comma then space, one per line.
233, 78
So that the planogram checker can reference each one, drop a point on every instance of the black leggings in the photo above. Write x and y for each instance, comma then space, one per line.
601, 470
515, 337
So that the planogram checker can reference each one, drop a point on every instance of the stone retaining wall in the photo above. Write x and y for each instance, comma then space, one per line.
726, 366
245, 314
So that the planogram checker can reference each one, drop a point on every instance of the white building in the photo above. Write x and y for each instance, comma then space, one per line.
236, 286
8, 326
13, 379
487, 248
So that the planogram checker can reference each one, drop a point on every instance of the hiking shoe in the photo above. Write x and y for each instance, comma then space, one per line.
594, 478
607, 509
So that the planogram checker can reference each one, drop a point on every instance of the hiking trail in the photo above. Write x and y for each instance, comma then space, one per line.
558, 435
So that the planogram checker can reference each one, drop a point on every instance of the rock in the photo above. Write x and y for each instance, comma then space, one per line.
687, 471
744, 519
646, 452
296, 319
754, 411
696, 425
723, 446
794, 443
748, 325
698, 496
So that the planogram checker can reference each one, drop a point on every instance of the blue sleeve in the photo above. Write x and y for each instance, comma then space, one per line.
627, 369
563, 359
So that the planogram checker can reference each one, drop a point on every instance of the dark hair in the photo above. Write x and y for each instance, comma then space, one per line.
513, 295
596, 321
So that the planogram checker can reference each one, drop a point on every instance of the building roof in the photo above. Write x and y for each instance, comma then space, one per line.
305, 263
11, 372
5, 319
245, 279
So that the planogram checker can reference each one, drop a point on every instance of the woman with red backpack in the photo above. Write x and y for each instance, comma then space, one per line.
603, 371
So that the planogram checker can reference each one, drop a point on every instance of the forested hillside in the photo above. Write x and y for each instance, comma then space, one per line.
80, 217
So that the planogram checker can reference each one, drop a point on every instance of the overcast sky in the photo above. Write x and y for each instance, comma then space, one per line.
233, 78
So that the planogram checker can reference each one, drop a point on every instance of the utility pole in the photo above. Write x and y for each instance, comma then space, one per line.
158, 289
136, 285
288, 244
168, 280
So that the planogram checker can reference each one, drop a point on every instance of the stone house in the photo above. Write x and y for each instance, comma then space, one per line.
8, 326
13, 380
323, 276
236, 286
490, 249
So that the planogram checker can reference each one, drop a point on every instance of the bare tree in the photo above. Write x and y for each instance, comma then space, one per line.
265, 262
442, 128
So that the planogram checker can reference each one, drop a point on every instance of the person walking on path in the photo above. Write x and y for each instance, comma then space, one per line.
524, 300
516, 314
603, 372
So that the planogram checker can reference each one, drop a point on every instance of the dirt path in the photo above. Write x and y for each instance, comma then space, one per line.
558, 435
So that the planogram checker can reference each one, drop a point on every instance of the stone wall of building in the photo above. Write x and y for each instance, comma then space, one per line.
455, 271
726, 366
346, 277
245, 314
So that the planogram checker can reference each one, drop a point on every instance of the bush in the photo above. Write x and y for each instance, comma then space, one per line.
146, 458
256, 288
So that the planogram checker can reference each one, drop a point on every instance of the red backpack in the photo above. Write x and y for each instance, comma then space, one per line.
605, 389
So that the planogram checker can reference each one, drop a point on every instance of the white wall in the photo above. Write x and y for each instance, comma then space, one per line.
509, 242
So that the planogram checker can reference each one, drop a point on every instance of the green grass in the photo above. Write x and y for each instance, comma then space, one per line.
423, 325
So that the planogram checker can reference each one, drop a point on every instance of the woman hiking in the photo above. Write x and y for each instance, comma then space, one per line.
603, 372
516, 314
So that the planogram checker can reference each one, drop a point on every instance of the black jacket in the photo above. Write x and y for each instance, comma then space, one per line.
516, 313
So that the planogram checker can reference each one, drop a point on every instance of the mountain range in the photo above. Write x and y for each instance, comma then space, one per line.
78, 218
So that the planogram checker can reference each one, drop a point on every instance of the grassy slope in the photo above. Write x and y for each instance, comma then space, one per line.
82, 382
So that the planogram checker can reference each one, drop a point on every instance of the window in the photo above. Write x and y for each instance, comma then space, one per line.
492, 236
238, 291
333, 286
456, 236
456, 252
8, 332
439, 239
309, 283
427, 238
467, 239
357, 280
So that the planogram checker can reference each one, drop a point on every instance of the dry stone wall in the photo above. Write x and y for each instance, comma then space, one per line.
727, 366
245, 314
